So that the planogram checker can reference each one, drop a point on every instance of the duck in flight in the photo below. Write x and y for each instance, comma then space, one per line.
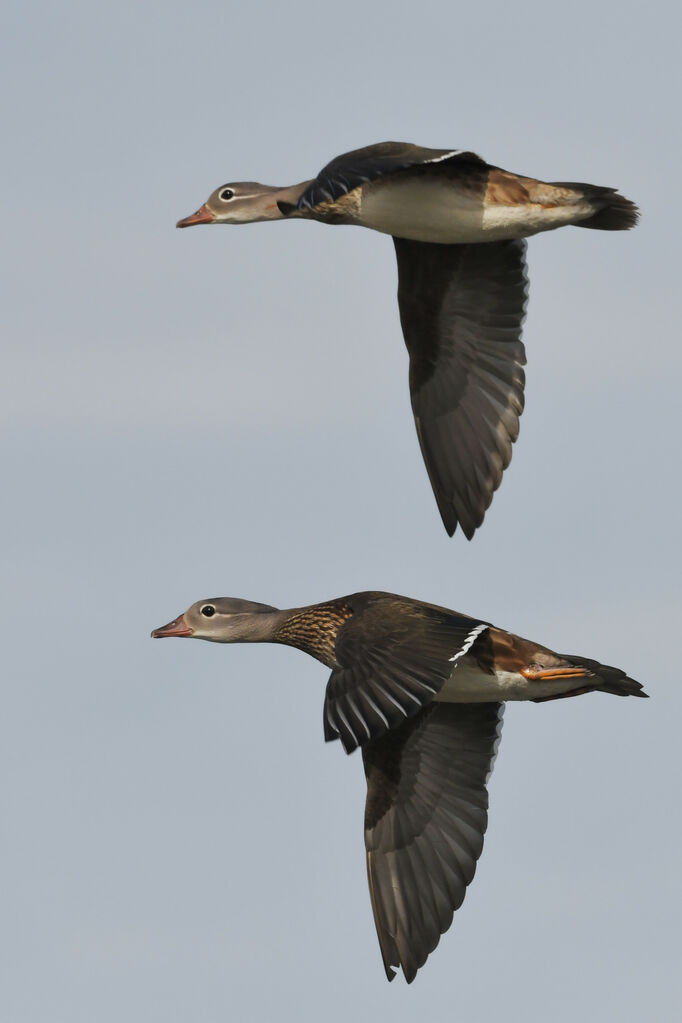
420, 689
462, 304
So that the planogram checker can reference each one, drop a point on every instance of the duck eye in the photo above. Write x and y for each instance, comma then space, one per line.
226, 194
208, 610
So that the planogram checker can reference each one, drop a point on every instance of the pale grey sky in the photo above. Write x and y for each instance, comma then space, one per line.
190, 414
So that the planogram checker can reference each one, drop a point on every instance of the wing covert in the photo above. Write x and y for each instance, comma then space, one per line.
391, 661
346, 172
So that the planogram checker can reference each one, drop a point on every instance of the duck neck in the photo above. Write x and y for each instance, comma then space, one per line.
313, 629
262, 627
272, 195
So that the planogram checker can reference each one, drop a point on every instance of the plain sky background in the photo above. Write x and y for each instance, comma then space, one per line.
225, 412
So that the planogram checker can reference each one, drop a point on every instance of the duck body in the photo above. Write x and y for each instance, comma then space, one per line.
450, 197
462, 303
433, 209
420, 689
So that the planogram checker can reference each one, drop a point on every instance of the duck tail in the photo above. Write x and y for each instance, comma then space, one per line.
612, 211
608, 679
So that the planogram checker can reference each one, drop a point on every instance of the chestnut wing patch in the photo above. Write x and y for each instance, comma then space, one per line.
425, 818
392, 659
347, 172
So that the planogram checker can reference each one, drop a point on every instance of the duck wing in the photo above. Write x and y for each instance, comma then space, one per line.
346, 172
425, 818
392, 658
461, 310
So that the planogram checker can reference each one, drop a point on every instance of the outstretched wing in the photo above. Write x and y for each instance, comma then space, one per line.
462, 309
391, 661
350, 170
425, 817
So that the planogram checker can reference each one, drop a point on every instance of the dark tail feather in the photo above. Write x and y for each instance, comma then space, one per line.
610, 680
613, 212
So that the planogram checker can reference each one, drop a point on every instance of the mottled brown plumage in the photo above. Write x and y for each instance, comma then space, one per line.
314, 630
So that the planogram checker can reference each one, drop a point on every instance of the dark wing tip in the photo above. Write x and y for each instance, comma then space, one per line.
468, 517
451, 520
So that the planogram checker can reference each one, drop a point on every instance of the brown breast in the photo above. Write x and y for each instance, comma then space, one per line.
343, 210
314, 630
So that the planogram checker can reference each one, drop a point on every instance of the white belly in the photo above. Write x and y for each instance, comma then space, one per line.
435, 211
468, 684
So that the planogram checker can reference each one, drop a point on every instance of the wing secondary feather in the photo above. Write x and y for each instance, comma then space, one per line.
462, 309
425, 818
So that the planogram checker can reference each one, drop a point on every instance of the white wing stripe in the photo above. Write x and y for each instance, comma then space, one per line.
354, 707
332, 724
439, 159
474, 634
346, 722
382, 689
377, 709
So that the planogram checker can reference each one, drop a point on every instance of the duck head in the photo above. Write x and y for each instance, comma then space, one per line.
239, 202
222, 620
